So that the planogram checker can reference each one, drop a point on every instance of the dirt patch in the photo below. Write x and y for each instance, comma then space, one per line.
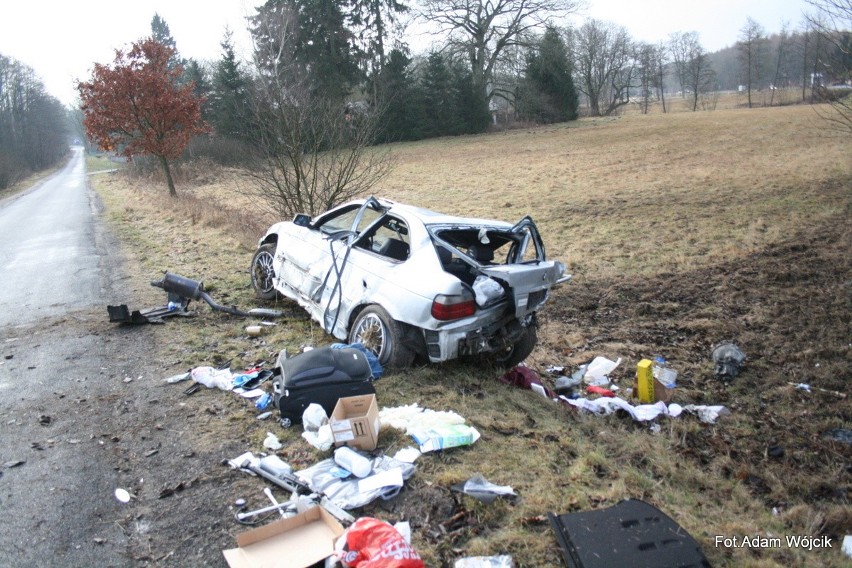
788, 308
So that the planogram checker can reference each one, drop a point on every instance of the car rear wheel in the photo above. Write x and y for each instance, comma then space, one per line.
262, 274
520, 350
381, 334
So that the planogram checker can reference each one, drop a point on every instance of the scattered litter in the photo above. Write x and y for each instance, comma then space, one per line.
295, 542
122, 495
353, 462
408, 455
847, 545
728, 361
14, 463
565, 384
840, 435
253, 330
503, 561
482, 490
442, 437
597, 373
647, 412
264, 415
594, 389
272, 442
178, 378
808, 388
342, 489
385, 479
210, 377
631, 533
262, 402
376, 544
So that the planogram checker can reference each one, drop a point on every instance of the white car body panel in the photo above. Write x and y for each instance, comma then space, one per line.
304, 271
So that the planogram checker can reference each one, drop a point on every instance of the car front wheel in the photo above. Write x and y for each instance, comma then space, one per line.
381, 334
262, 274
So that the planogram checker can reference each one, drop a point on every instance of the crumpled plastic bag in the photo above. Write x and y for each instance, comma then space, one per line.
343, 489
313, 417
372, 543
322, 439
487, 290
483, 490
210, 377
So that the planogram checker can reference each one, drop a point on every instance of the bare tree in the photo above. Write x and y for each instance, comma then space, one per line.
752, 50
832, 24
662, 54
483, 30
605, 65
314, 152
692, 66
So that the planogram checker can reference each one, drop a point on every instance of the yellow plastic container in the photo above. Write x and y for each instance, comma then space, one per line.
645, 381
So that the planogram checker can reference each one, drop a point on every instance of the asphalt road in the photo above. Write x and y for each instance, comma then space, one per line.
64, 401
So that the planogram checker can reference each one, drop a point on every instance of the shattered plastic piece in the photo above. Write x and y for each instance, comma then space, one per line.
565, 384
272, 442
707, 414
177, 378
264, 415
728, 360
840, 435
803, 387
122, 495
482, 490
502, 561
630, 533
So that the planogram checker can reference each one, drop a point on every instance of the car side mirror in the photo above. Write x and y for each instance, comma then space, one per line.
302, 220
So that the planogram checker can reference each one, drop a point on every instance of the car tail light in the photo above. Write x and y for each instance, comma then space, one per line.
454, 307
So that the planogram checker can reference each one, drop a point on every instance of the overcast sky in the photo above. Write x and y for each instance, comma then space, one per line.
61, 40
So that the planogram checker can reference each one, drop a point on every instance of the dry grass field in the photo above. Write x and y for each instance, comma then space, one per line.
682, 230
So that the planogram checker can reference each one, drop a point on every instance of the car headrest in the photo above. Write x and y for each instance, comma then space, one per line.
481, 253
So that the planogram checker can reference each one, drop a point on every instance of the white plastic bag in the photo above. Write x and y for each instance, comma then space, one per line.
210, 377
313, 417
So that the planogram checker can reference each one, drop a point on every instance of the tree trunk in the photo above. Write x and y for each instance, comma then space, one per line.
169, 180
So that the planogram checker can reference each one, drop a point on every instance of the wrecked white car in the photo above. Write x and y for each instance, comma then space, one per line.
407, 282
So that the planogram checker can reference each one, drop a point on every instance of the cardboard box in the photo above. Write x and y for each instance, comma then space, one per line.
648, 389
295, 542
355, 422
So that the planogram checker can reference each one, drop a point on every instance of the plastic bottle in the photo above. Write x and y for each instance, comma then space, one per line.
263, 401
352, 461
659, 365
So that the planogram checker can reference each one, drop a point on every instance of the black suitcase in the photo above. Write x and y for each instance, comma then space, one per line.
320, 375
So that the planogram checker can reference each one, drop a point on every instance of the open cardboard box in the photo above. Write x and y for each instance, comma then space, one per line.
355, 422
295, 542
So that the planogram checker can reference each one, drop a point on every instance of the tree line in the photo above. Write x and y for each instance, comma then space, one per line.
327, 79
33, 126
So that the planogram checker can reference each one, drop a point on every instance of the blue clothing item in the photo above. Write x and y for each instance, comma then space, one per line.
375, 366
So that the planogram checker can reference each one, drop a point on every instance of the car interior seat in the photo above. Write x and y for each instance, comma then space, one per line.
395, 249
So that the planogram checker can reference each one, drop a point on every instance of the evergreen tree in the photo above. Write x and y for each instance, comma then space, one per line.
325, 44
196, 74
229, 97
472, 115
439, 102
162, 35
402, 100
547, 93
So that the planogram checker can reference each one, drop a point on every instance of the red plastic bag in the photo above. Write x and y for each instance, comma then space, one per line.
372, 543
